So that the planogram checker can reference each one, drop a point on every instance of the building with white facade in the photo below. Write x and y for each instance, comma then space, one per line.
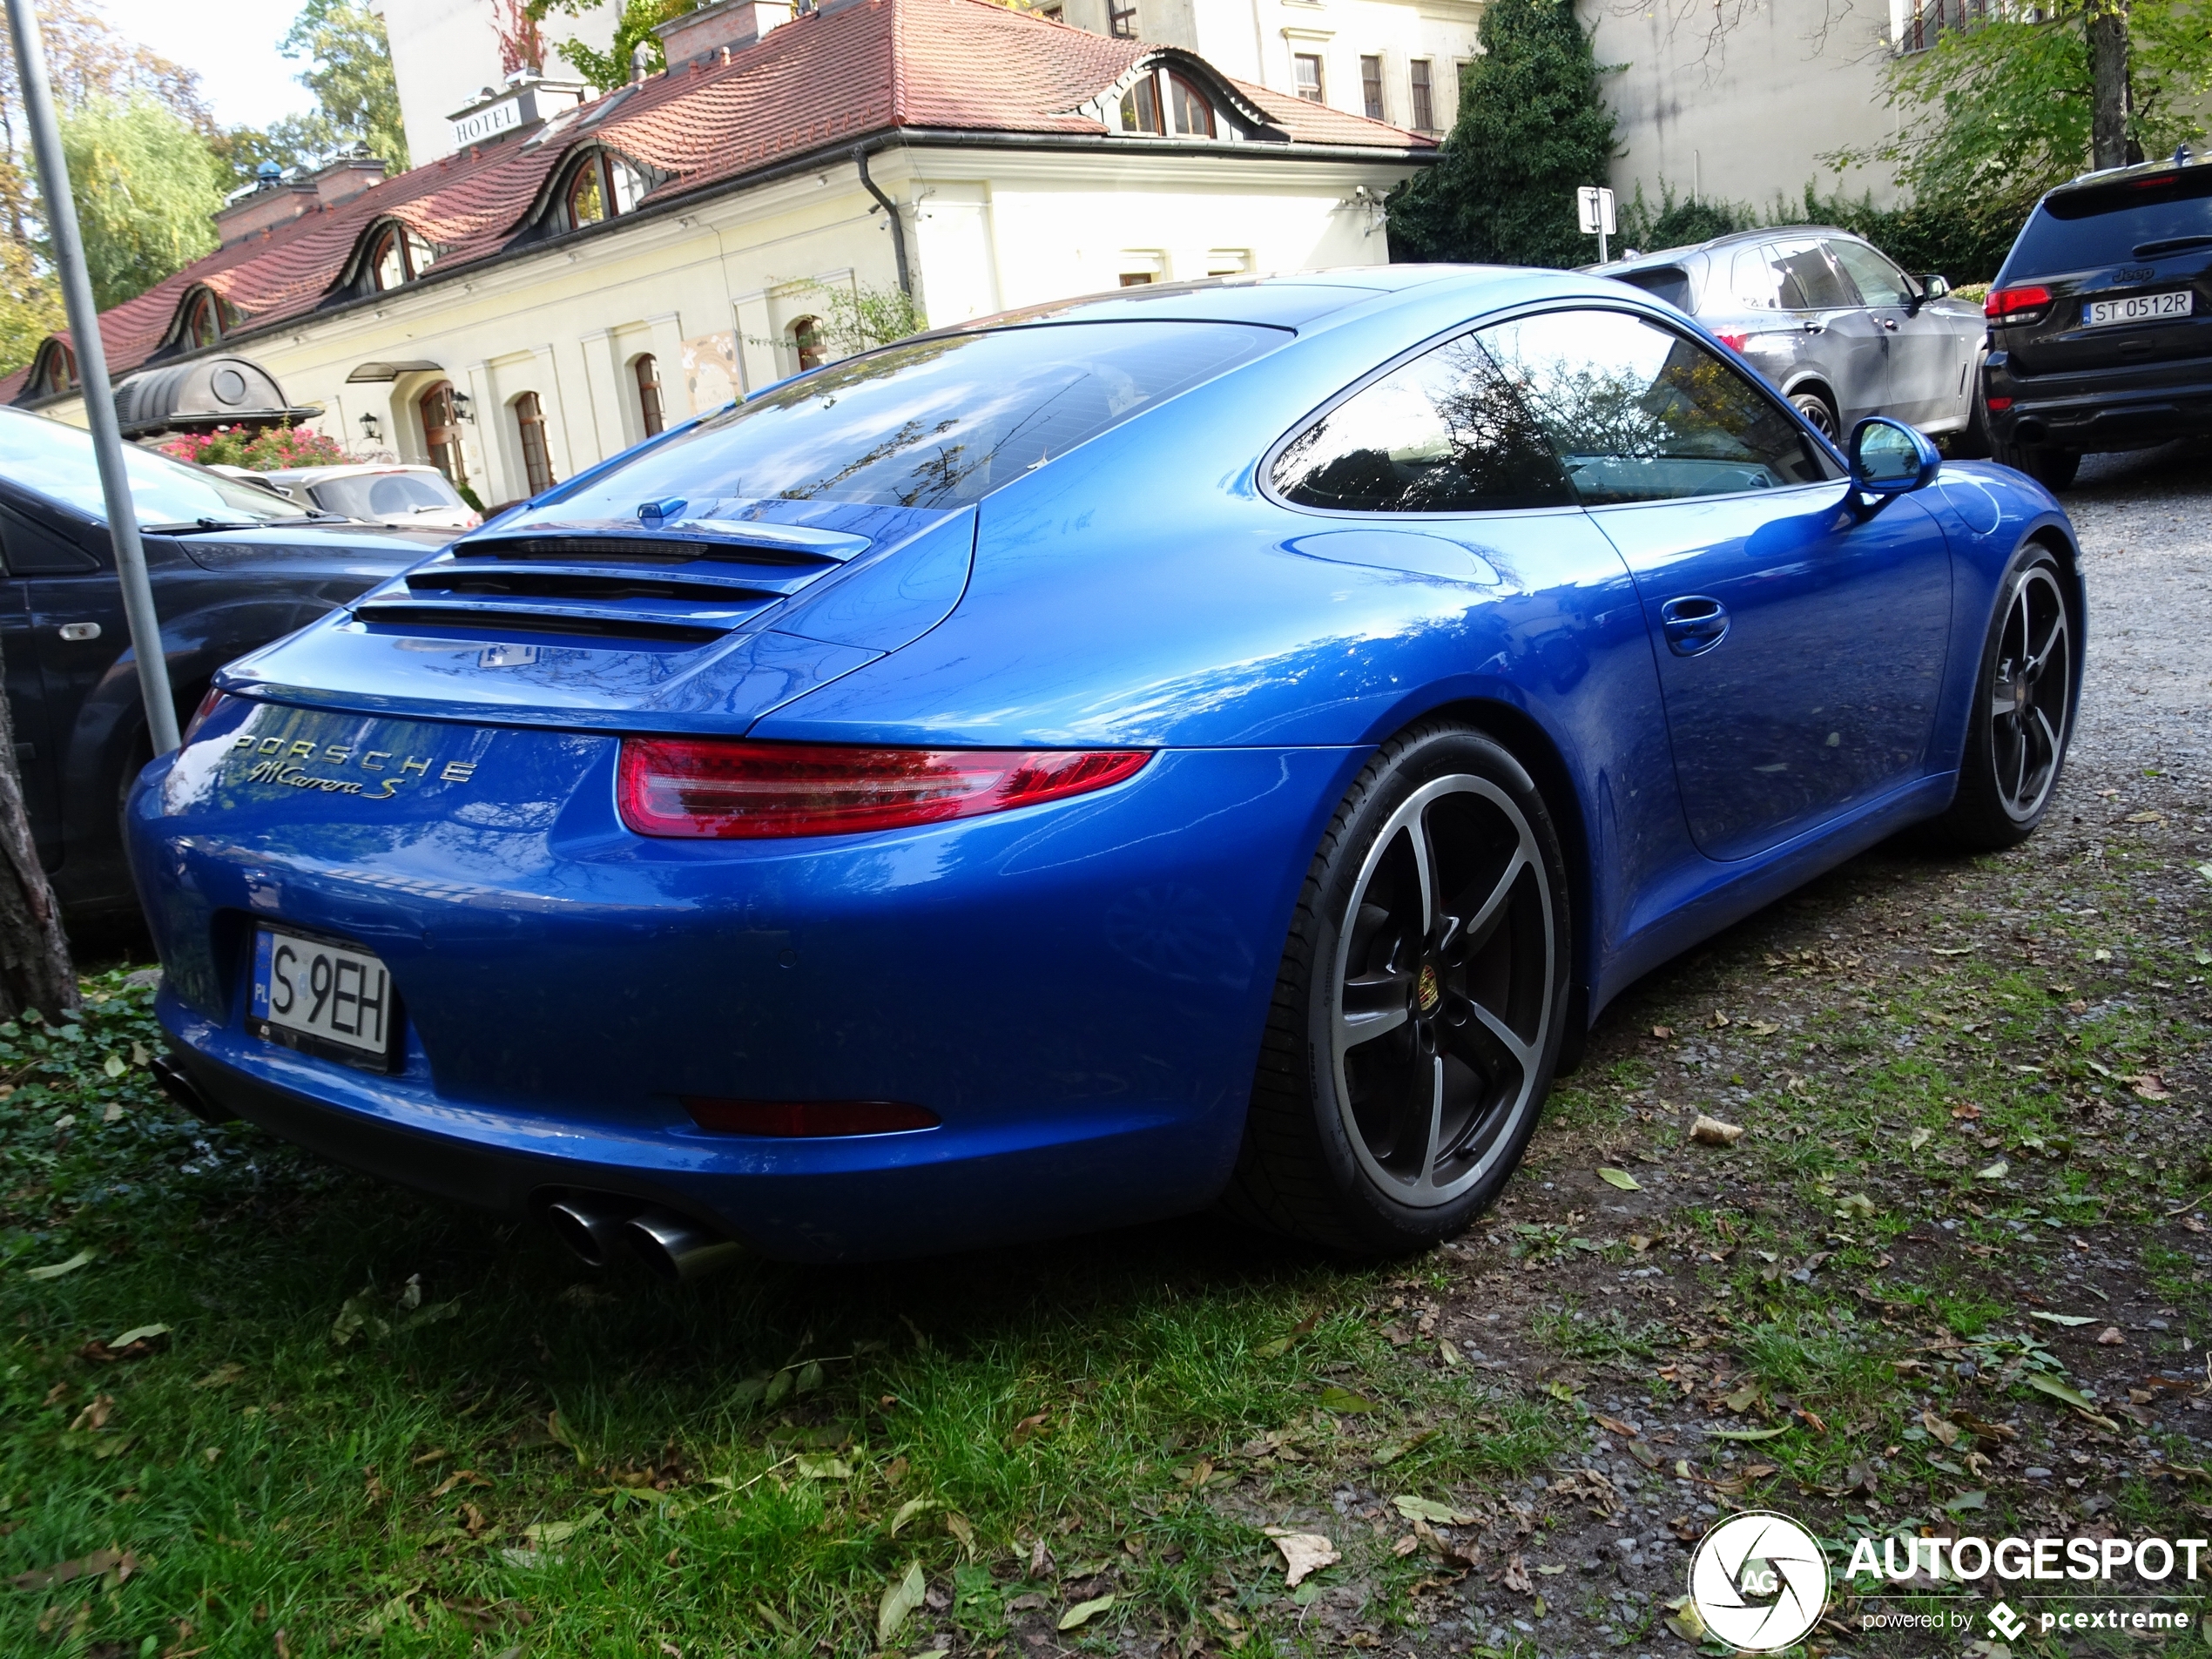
534, 302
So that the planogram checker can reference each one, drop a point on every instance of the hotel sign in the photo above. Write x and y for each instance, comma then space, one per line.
524, 104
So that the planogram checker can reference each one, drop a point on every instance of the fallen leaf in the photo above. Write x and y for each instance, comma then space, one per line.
1304, 1553
119, 1564
822, 1466
1742, 1400
1614, 1426
2150, 1085
1083, 1612
908, 1510
1996, 1171
1763, 1028
70, 1266
1683, 1619
1967, 1501
138, 1333
544, 1533
1448, 1354
1406, 1546
1956, 950
223, 1376
1517, 1576
1857, 1204
1718, 1020
2057, 1390
2110, 1337
1665, 1032
1621, 1179
901, 1597
1336, 1399
1745, 1433
2061, 1318
1919, 1138
1711, 1131
1947, 1433
1440, 1515
114, 1065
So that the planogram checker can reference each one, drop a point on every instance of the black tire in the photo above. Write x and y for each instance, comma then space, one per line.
1820, 415
1472, 1026
2053, 469
2025, 695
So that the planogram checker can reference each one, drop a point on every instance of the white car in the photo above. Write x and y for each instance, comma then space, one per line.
412, 497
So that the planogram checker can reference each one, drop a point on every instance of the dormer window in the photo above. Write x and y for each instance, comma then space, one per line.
206, 319
397, 258
55, 372
1164, 103
603, 186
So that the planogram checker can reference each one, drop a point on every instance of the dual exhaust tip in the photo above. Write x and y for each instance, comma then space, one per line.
597, 1228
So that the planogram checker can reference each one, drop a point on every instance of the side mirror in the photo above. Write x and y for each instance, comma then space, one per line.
1888, 457
1935, 286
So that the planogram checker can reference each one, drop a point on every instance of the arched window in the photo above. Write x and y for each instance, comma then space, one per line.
1164, 103
806, 341
398, 257
649, 409
530, 427
442, 433
206, 319
603, 185
56, 372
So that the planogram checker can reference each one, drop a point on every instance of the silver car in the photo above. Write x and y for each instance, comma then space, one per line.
1833, 323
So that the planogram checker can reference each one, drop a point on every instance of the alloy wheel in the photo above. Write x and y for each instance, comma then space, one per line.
1817, 415
1443, 990
2030, 684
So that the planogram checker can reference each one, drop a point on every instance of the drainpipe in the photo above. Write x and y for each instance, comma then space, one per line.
890, 208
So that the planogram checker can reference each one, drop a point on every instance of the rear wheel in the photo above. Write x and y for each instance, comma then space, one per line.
2053, 469
1819, 413
2023, 714
1420, 1004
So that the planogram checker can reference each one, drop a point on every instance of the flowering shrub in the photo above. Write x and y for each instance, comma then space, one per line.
263, 448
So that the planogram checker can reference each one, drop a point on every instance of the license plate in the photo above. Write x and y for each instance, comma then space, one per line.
309, 994
2138, 308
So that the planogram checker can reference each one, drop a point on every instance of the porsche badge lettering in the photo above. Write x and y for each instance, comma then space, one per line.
1425, 989
285, 765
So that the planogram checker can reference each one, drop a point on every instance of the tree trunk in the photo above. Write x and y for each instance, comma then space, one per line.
2110, 106
34, 969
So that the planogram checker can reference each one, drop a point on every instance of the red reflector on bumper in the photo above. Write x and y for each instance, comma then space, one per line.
797, 1117
1998, 405
720, 790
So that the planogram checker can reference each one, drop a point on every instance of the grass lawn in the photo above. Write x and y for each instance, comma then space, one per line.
364, 1423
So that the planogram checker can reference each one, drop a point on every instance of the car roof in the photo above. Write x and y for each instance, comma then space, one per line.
1286, 301
343, 470
1734, 239
2172, 164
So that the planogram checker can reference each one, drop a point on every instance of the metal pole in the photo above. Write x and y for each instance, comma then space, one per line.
91, 373
1601, 226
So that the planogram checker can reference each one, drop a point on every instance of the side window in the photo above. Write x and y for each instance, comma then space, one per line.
32, 550
1639, 413
1761, 282
1444, 433
1820, 284
1879, 282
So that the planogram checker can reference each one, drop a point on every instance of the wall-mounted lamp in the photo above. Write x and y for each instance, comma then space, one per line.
372, 429
460, 407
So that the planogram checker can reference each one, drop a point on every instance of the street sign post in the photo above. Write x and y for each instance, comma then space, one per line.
92, 374
1593, 203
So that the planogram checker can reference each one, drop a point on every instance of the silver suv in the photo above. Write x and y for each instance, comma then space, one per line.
1833, 321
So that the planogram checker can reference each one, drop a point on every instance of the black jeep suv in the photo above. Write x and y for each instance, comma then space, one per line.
2100, 320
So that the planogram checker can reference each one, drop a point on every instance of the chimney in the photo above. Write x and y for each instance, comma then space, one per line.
263, 207
733, 22
345, 179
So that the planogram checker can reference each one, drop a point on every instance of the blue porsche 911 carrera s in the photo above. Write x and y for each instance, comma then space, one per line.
1213, 743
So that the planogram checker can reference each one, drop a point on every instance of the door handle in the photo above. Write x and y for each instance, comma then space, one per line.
1815, 327
1890, 323
75, 631
1693, 623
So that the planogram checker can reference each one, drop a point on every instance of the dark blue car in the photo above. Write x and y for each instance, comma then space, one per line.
234, 566
1221, 742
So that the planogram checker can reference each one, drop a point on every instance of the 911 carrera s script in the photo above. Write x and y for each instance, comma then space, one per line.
281, 765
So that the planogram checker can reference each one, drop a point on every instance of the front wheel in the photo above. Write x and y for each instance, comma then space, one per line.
2023, 714
1421, 1005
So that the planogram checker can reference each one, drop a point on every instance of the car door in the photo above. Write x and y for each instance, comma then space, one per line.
77, 630
1800, 645
1923, 350
36, 757
1848, 346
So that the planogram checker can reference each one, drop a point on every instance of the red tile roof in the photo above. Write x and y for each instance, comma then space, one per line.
826, 78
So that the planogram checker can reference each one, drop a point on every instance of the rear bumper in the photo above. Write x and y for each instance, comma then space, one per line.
1077, 991
2120, 408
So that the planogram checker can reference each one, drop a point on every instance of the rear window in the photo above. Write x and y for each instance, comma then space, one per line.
385, 494
931, 423
2130, 219
1667, 282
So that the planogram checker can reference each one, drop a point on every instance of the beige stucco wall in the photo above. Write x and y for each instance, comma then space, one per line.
1738, 98
1254, 40
711, 295
444, 53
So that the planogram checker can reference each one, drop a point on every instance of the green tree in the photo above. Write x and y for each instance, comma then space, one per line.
349, 70
145, 186
1532, 129
633, 28
1991, 117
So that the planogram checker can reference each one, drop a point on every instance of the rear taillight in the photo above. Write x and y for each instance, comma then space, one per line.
789, 1118
1998, 405
200, 716
720, 790
2016, 305
1734, 339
